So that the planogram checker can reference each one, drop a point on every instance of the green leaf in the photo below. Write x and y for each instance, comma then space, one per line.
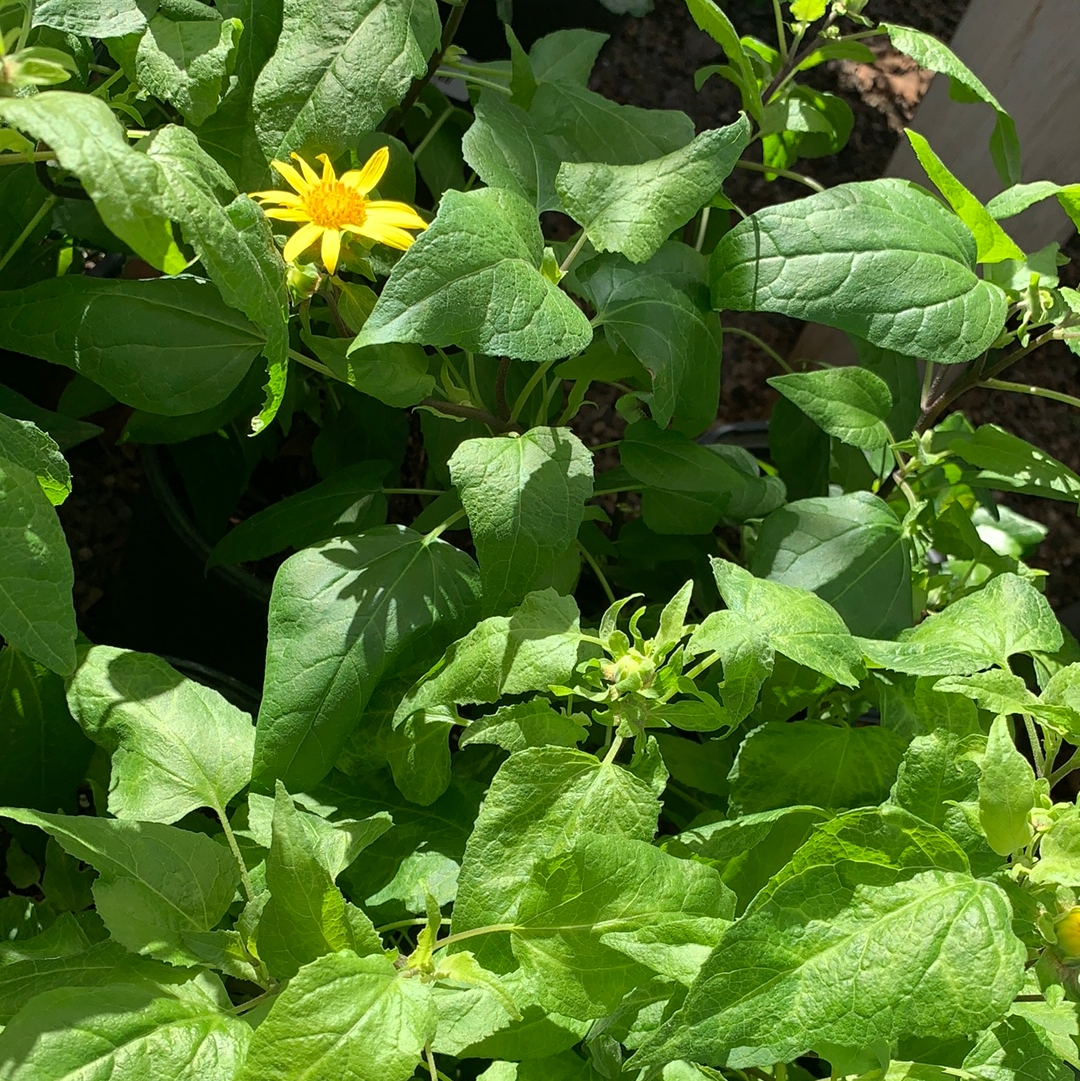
24, 444
36, 577
1015, 1049
472, 279
166, 345
750, 849
337, 69
187, 63
348, 502
1007, 463
1019, 197
306, 916
1006, 792
930, 53
718, 26
808, 11
847, 549
634, 208
1001, 692
940, 774
783, 978
154, 882
175, 745
122, 1031
87, 18
533, 647
711, 488
824, 258
584, 126
526, 724
585, 910
421, 852
538, 802
797, 624
994, 244
1059, 852
851, 404
525, 496
46, 754
506, 149
125, 185
566, 56
344, 616
811, 762
343, 1018
67, 432
747, 656
95, 966
420, 755
396, 373
1008, 615
233, 240
674, 337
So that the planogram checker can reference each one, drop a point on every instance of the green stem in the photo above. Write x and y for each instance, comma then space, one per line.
761, 345
450, 28
311, 363
975, 376
613, 750
780, 1071
781, 33
475, 80
757, 167
927, 384
251, 1003
620, 490
788, 69
703, 225
1036, 745
530, 386
568, 262
469, 412
443, 526
29, 158
491, 929
700, 667
1023, 388
1065, 769
432, 131
103, 87
30, 226
600, 576
245, 879
430, 1059
501, 406
413, 491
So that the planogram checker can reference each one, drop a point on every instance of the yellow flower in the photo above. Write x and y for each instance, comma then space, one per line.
331, 206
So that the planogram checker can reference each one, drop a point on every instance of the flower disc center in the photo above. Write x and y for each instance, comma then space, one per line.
331, 204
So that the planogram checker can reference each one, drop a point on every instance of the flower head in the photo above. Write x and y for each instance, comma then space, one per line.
332, 205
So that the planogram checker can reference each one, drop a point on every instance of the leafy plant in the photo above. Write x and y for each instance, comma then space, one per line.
696, 765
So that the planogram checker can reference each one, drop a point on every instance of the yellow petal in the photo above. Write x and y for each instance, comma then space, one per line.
310, 175
328, 175
302, 239
331, 249
285, 197
389, 235
399, 214
291, 176
288, 214
364, 179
